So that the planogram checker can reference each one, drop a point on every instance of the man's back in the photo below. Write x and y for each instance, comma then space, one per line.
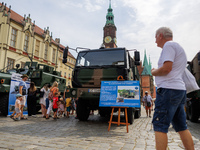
173, 52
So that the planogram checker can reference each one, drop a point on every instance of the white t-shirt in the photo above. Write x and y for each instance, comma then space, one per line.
173, 52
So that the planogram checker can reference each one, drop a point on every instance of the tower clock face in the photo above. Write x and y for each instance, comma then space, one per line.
107, 39
115, 40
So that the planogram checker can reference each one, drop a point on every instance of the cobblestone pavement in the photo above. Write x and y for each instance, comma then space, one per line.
68, 133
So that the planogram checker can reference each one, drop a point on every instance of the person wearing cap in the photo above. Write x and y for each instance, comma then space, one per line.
23, 92
18, 107
147, 102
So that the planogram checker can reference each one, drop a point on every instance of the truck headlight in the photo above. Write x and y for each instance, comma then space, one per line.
2, 81
73, 92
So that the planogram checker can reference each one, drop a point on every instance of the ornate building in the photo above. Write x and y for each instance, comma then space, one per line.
109, 37
20, 38
146, 77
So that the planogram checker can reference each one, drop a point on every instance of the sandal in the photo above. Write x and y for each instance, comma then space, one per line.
11, 116
24, 118
47, 118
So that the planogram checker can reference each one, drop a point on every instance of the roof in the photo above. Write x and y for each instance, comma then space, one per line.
147, 67
19, 19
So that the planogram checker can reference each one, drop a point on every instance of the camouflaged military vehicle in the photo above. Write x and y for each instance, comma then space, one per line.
94, 66
38, 73
193, 98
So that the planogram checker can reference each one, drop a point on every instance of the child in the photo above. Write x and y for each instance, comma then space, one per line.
68, 105
55, 105
73, 105
18, 107
61, 107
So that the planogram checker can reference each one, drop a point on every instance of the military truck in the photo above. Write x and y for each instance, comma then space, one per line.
193, 98
94, 66
40, 74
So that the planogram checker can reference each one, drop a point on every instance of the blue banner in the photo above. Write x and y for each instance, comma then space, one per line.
120, 93
14, 90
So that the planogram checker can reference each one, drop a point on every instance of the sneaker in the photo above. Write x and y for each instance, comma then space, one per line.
16, 119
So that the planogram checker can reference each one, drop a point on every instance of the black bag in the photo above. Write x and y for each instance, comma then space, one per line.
41, 94
148, 104
23, 91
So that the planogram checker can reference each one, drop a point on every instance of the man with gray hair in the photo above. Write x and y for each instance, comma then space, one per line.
171, 92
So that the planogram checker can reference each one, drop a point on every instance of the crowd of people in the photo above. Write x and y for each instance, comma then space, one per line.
51, 100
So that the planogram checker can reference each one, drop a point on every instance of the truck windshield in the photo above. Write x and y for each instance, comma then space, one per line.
101, 58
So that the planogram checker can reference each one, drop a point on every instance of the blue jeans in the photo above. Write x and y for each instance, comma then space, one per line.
47, 103
169, 108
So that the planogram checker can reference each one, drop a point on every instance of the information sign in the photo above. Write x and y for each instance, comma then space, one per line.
120, 94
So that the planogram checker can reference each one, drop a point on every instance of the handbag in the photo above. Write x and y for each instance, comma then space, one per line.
41, 94
23, 91
149, 104
190, 82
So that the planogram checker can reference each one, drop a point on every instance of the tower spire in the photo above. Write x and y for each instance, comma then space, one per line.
110, 16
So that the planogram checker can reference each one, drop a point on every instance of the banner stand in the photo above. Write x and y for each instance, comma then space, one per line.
118, 122
120, 78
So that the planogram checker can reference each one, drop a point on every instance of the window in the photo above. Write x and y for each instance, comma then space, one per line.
26, 42
64, 74
37, 47
69, 75
13, 38
54, 56
46, 51
10, 63
22, 64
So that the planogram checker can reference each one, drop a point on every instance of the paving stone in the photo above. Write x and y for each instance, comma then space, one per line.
37, 133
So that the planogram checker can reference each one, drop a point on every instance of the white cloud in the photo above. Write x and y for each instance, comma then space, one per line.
80, 22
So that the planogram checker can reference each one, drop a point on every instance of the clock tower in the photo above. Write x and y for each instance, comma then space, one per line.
109, 38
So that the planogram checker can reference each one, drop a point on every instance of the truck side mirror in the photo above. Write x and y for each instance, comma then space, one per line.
137, 58
65, 54
198, 58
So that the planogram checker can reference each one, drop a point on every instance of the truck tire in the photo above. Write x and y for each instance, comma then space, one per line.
82, 110
131, 115
104, 111
193, 112
4, 104
137, 114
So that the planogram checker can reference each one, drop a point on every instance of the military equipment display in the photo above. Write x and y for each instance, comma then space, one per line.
193, 98
94, 66
40, 74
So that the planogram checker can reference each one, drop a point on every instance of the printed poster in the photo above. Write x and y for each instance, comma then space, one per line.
14, 90
120, 93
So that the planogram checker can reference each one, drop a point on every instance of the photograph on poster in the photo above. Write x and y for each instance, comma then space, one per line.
14, 90
127, 92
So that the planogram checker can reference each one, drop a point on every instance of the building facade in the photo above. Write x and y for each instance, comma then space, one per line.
147, 82
21, 39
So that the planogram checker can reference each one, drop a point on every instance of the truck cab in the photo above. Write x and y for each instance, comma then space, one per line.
94, 66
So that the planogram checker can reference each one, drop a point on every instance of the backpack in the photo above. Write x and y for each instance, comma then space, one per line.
50, 96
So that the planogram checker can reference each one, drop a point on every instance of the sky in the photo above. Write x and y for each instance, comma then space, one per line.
79, 23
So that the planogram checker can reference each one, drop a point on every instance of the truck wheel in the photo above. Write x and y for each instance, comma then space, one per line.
82, 111
193, 112
4, 104
131, 115
104, 111
137, 114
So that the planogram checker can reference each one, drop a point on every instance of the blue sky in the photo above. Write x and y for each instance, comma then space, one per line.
79, 23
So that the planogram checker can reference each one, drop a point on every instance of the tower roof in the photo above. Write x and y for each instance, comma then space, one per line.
110, 16
146, 65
